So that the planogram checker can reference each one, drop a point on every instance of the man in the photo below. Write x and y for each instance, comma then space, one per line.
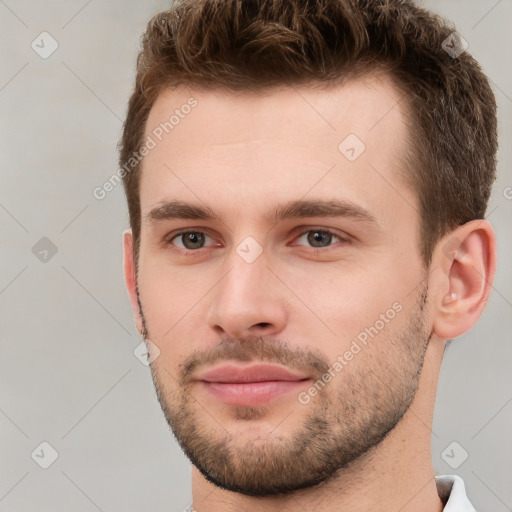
307, 184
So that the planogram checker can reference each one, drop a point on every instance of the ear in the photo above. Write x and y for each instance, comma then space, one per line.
130, 278
467, 257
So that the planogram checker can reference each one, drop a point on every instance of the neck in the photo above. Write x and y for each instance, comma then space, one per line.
396, 475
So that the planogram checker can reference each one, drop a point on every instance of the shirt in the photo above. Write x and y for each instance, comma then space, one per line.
450, 488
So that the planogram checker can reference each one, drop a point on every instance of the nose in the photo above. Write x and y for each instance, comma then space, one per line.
248, 300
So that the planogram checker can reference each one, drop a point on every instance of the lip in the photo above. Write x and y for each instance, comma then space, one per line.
230, 373
251, 385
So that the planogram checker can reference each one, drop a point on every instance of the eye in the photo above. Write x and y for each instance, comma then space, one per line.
189, 240
319, 238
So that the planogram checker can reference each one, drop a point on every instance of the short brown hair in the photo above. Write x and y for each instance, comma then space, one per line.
253, 45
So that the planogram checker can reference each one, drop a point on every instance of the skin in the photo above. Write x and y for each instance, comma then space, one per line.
241, 156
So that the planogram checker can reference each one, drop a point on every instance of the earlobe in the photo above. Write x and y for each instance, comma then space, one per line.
468, 259
130, 277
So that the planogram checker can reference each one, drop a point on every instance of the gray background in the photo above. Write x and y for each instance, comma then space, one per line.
68, 375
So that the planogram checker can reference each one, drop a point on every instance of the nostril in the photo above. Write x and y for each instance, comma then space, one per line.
263, 324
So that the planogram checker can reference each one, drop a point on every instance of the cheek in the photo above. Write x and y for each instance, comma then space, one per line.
167, 294
347, 305
329, 304
175, 301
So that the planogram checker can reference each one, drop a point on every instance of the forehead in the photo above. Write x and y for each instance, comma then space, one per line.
227, 147
368, 106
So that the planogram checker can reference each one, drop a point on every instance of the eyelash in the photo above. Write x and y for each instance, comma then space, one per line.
191, 252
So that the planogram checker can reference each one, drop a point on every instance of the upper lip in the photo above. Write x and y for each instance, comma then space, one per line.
231, 373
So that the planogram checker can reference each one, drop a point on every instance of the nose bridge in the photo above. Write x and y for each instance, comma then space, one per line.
247, 263
247, 298
247, 280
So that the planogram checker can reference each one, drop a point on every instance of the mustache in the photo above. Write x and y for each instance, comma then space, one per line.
255, 348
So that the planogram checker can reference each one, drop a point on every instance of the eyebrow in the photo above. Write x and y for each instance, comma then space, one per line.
169, 210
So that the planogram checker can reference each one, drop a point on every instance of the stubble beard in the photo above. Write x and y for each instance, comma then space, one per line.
337, 429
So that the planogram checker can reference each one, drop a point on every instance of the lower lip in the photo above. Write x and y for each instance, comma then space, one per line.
251, 393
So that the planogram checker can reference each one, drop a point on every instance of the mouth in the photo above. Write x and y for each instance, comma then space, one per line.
251, 385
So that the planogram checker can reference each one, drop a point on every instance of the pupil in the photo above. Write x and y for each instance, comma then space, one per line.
193, 240
316, 237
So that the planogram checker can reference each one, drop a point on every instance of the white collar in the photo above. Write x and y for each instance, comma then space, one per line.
452, 487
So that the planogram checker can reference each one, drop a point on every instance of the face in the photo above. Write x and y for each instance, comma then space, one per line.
280, 280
